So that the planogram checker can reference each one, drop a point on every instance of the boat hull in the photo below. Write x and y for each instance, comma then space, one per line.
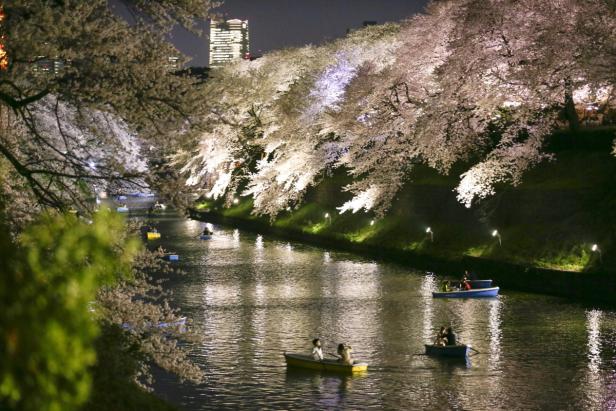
306, 361
450, 351
480, 284
477, 293
122, 209
172, 257
205, 237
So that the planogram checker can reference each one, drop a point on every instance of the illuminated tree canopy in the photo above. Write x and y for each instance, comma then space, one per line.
469, 82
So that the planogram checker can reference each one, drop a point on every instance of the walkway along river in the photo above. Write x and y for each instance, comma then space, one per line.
251, 297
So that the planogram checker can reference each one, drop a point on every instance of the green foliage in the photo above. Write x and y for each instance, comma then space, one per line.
46, 328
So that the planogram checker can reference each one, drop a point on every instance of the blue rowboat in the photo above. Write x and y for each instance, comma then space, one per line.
480, 283
205, 237
172, 257
457, 351
478, 293
121, 198
122, 209
306, 361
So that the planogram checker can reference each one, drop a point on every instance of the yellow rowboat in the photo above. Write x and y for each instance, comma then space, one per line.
153, 236
306, 361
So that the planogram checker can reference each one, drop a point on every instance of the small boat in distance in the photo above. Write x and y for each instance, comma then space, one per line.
306, 361
122, 209
152, 235
476, 293
205, 237
451, 351
480, 284
171, 257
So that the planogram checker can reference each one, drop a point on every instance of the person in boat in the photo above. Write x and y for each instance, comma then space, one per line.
441, 337
446, 286
451, 337
317, 351
207, 231
465, 283
470, 276
344, 352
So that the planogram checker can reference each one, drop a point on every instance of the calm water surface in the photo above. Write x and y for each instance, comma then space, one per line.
251, 297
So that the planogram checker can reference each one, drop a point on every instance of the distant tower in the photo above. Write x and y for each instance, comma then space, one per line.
228, 41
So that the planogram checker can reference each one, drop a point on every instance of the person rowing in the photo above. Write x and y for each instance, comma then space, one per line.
344, 352
451, 337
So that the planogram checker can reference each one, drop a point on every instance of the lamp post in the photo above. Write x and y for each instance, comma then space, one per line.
371, 222
328, 218
595, 249
495, 233
429, 231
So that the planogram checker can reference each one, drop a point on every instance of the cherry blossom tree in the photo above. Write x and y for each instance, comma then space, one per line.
476, 84
81, 83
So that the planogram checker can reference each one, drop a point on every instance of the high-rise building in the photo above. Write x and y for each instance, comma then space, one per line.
49, 66
173, 63
228, 41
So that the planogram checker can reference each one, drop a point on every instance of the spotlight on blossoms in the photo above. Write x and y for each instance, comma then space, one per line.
479, 90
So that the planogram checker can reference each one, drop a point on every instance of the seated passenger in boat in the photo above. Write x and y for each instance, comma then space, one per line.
344, 351
207, 231
451, 337
464, 282
470, 276
441, 337
445, 287
317, 351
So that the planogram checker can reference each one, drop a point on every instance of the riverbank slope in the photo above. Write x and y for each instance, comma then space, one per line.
546, 227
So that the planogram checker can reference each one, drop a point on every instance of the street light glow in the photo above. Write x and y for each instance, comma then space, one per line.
326, 215
236, 201
428, 230
496, 234
594, 247
371, 222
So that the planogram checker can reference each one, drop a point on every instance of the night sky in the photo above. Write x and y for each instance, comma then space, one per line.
276, 24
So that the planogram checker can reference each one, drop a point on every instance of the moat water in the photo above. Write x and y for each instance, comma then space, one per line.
250, 298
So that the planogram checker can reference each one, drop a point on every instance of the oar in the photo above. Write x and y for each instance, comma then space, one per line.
471, 348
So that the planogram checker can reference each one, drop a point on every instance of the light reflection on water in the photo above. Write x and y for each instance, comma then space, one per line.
252, 297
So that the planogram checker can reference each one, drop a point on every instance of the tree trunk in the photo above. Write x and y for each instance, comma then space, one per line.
569, 109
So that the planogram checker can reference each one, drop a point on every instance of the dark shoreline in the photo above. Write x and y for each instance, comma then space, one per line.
590, 288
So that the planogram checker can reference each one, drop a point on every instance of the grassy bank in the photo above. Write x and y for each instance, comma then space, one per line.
547, 224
